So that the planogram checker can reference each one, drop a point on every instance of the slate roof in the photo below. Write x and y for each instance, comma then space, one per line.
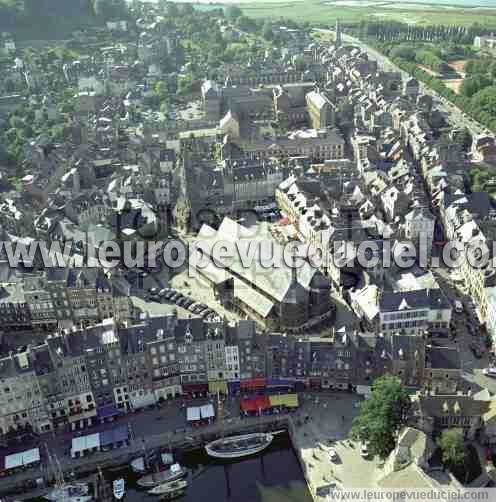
443, 358
413, 300
436, 406
274, 282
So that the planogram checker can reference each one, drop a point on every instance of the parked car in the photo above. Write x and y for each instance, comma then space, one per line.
192, 307
364, 450
188, 302
181, 302
333, 456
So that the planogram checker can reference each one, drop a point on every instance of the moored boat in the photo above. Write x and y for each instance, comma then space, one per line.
239, 446
490, 372
172, 495
151, 461
119, 487
175, 471
76, 492
169, 488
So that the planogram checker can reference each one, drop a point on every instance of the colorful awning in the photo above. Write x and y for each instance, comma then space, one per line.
253, 383
188, 388
288, 400
255, 404
275, 382
107, 411
114, 436
217, 386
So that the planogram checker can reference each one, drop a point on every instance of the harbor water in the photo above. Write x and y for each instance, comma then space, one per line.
274, 475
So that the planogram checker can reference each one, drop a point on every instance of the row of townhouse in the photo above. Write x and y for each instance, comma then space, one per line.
77, 379
63, 297
468, 218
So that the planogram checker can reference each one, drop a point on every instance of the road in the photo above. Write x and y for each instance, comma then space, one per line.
329, 422
471, 366
455, 116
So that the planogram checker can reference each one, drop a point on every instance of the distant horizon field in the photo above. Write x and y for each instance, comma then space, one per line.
457, 4
322, 12
326, 11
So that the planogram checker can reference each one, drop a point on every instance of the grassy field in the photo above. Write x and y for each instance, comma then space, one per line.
327, 11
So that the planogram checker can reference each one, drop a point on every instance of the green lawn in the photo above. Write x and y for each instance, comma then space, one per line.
317, 11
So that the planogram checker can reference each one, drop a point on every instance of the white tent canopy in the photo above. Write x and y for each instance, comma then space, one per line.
22, 458
193, 414
207, 411
84, 443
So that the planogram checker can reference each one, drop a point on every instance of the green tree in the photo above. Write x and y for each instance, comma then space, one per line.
110, 9
246, 24
233, 12
172, 9
267, 32
452, 447
406, 52
466, 139
382, 416
187, 9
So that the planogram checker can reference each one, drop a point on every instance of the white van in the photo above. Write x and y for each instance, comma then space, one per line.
458, 307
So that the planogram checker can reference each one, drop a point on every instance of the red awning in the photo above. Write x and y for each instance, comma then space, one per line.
315, 382
255, 404
188, 388
253, 383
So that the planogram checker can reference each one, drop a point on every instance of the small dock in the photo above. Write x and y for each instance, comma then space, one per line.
102, 488
185, 440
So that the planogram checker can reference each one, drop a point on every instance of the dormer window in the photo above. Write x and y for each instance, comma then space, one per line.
188, 337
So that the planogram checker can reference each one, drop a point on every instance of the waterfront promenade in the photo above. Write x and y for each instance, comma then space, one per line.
321, 417
330, 418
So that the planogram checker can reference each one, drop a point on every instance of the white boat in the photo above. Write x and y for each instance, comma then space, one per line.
142, 465
490, 372
119, 487
175, 471
76, 492
169, 488
239, 446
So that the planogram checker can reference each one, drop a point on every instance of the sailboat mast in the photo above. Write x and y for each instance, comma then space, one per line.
55, 466
220, 412
59, 469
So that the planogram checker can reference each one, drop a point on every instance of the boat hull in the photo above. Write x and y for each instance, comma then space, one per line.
152, 480
239, 446
119, 489
70, 493
139, 466
169, 488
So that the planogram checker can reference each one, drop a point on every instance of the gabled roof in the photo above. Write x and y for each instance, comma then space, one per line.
413, 300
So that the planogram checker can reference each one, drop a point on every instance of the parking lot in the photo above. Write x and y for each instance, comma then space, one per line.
172, 296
